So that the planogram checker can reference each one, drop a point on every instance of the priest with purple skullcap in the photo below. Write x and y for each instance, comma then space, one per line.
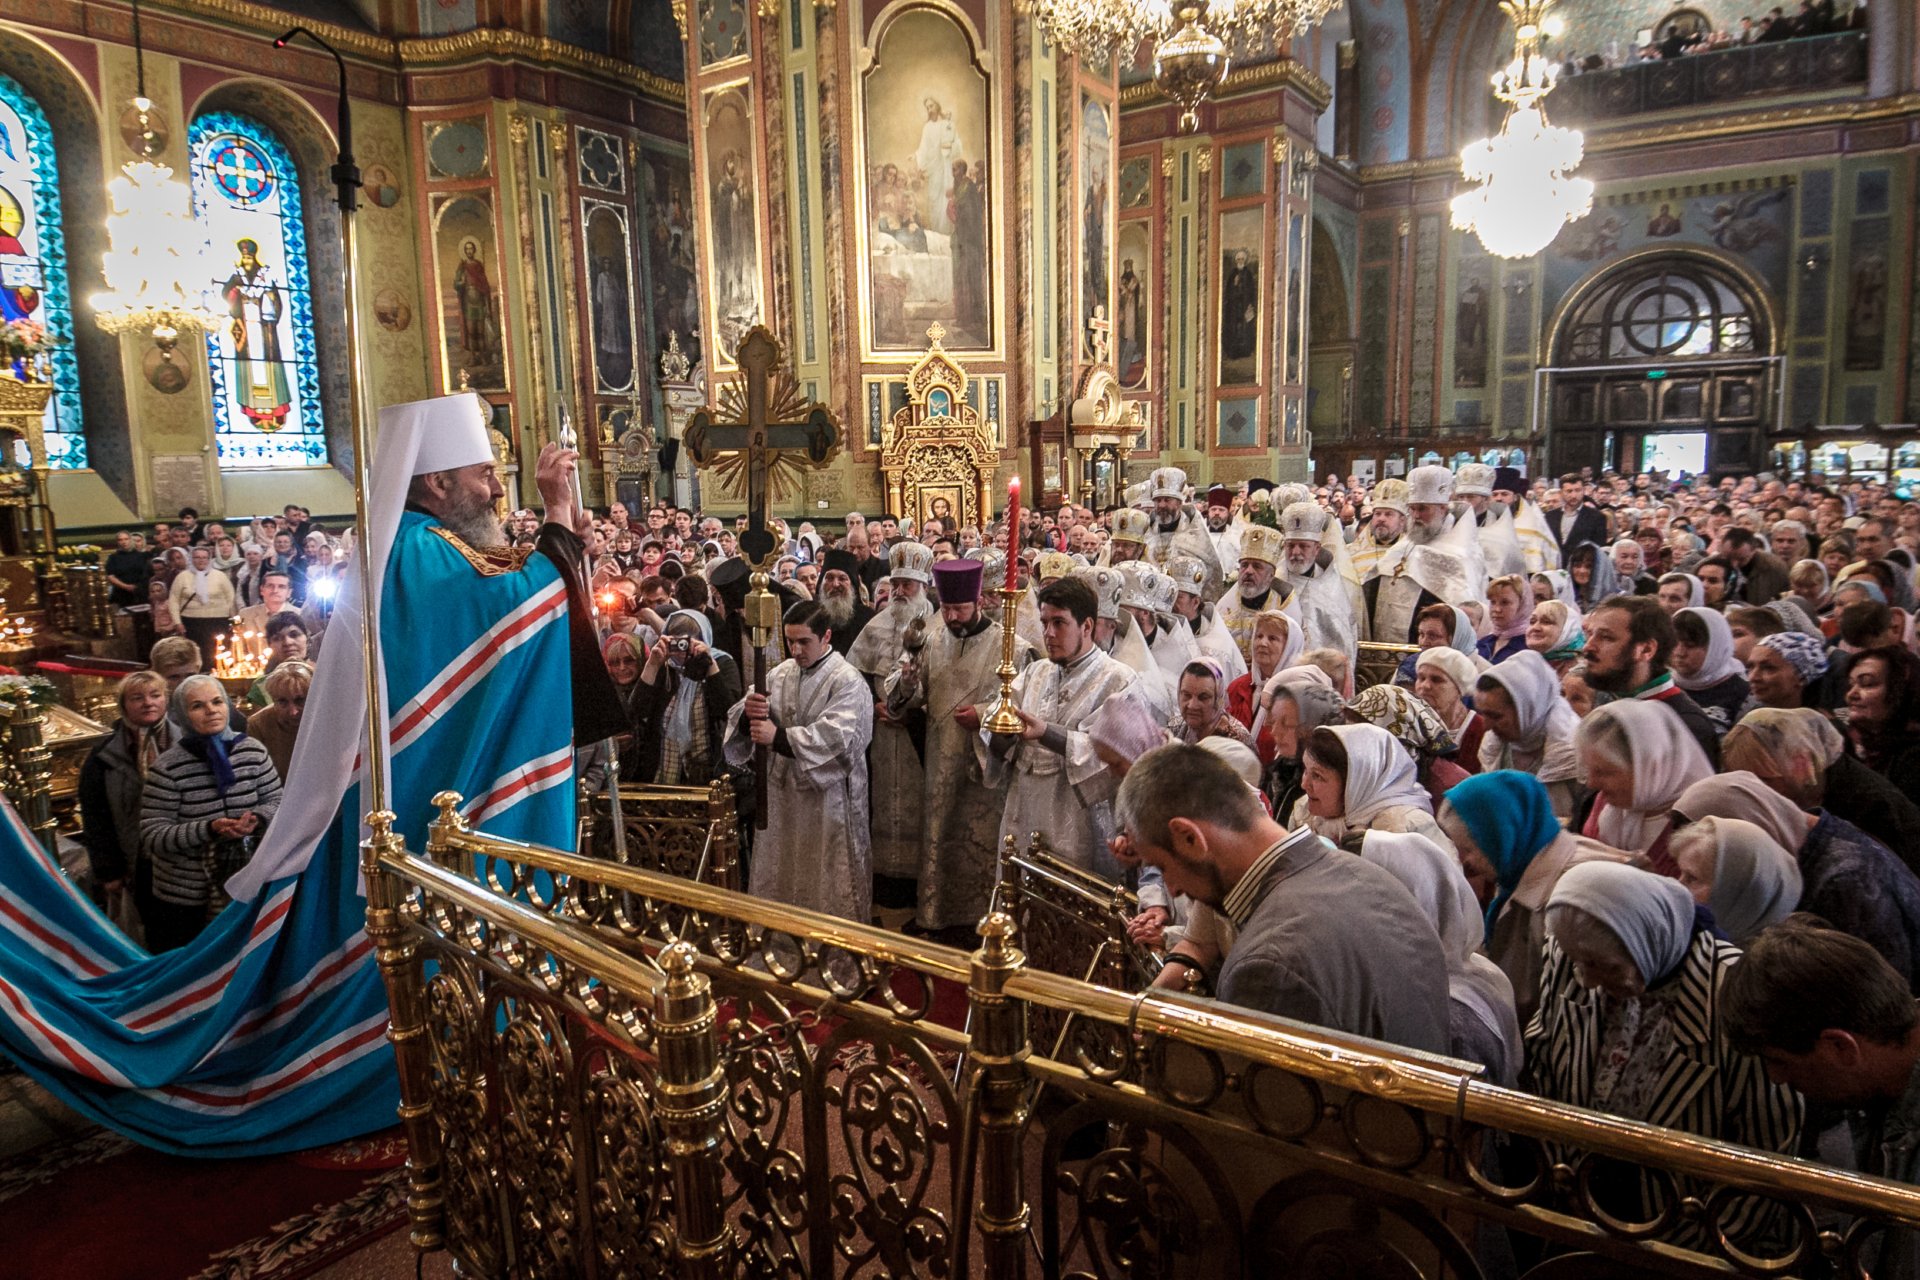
948, 671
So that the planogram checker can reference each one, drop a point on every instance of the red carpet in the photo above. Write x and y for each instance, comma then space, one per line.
98, 1208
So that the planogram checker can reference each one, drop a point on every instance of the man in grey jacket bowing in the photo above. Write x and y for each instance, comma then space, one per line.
1322, 937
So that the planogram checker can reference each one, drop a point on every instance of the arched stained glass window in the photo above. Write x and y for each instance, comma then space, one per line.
33, 260
266, 377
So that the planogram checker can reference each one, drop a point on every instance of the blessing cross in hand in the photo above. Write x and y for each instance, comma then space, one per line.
772, 423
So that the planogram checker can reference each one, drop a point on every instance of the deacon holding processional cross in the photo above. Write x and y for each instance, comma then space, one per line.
807, 723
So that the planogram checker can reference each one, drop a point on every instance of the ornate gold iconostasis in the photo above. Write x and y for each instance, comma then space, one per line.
939, 457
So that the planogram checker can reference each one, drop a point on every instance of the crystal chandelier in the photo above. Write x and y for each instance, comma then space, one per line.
1526, 190
1190, 39
156, 266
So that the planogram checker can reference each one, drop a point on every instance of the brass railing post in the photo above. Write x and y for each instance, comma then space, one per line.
449, 823
400, 969
692, 1107
999, 1055
32, 773
723, 815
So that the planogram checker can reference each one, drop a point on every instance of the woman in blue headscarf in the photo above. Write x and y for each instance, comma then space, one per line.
1514, 852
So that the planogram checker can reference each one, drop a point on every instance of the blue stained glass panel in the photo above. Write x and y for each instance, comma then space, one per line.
265, 371
33, 260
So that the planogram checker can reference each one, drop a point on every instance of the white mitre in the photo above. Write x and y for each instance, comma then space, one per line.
440, 434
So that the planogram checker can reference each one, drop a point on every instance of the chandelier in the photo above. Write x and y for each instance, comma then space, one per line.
156, 264
1191, 39
1526, 190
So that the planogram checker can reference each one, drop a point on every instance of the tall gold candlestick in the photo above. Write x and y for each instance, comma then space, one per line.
1003, 719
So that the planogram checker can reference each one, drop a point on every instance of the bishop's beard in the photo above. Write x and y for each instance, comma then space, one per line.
1423, 534
474, 524
1170, 526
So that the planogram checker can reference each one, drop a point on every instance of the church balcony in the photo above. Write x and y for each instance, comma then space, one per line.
1826, 65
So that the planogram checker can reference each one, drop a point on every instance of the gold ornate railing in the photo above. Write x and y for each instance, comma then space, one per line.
611, 1072
691, 832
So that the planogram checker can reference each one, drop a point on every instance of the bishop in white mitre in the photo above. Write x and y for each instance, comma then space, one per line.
893, 761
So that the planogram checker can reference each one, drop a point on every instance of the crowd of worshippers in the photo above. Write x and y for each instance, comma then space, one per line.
1642, 730
1646, 729
1808, 18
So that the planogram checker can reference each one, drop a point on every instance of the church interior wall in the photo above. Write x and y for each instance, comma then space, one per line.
150, 441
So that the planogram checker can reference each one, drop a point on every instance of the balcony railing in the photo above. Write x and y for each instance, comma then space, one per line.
1815, 64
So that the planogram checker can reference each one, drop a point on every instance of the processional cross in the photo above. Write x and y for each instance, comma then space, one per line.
761, 428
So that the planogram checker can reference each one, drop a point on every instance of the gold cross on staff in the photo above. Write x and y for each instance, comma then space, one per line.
762, 425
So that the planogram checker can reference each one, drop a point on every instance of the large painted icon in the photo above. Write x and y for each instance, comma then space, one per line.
928, 210
673, 279
469, 292
1241, 242
1096, 194
733, 213
610, 295
1131, 331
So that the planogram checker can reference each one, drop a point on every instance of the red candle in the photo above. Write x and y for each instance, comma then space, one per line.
1013, 532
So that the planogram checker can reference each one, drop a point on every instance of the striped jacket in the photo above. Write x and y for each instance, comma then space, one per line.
178, 809
1707, 1087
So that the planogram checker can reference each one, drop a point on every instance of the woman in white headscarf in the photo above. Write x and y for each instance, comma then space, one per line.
1627, 1007
1555, 584
1277, 645
1704, 664
1485, 1028
1848, 878
1530, 727
1556, 632
1358, 778
1638, 757
1296, 701
1443, 679
1738, 872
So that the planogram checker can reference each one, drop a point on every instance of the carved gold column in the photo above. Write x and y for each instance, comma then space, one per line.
692, 1093
30, 775
400, 970
997, 1102
518, 132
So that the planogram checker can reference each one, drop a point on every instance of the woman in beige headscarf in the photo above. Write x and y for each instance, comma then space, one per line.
1530, 727
1737, 871
1638, 757
1359, 778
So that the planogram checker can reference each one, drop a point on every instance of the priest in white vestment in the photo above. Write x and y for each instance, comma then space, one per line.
1190, 581
1538, 546
949, 670
1147, 596
1258, 591
1499, 540
817, 716
893, 761
1057, 783
1325, 602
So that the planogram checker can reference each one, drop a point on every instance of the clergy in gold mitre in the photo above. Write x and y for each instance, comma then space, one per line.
1257, 591
1127, 535
1056, 782
1386, 526
948, 673
893, 761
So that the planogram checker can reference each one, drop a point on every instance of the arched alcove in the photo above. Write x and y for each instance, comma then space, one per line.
74, 117
1662, 357
313, 149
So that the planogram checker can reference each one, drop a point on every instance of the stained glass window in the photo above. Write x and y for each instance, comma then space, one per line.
266, 378
33, 260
